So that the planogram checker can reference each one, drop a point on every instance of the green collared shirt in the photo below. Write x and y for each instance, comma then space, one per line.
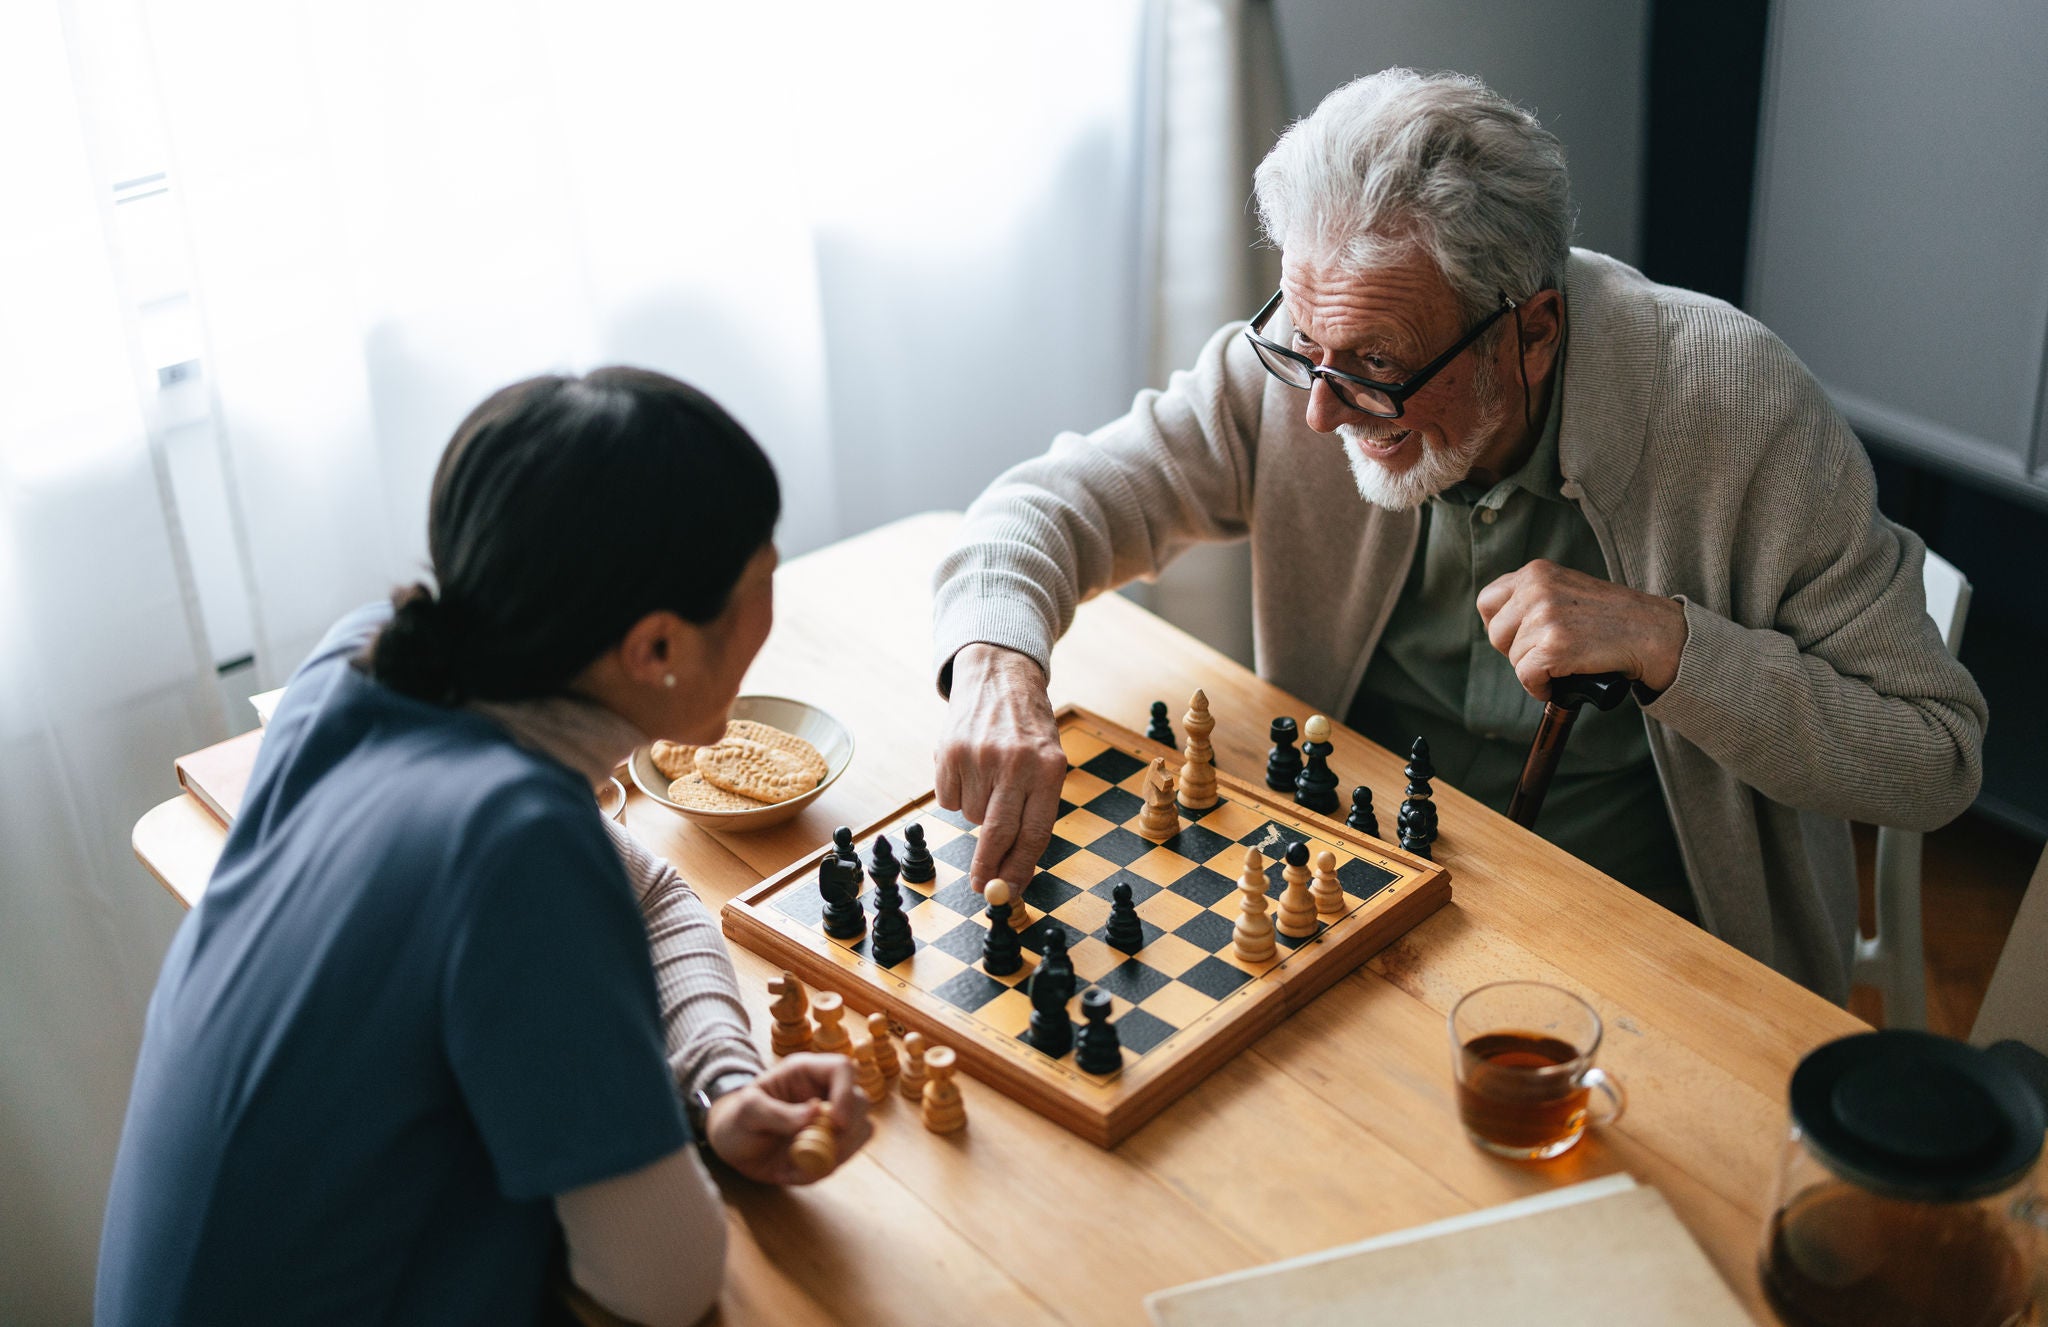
1436, 674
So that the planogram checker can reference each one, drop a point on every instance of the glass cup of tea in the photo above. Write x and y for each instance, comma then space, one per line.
1523, 1054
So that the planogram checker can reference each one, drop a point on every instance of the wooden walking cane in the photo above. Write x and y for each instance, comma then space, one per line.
1567, 694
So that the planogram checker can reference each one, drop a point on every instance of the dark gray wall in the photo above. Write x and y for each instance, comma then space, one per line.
1899, 241
1578, 65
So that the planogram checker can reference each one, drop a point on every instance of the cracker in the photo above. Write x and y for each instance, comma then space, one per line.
740, 765
674, 759
803, 753
692, 791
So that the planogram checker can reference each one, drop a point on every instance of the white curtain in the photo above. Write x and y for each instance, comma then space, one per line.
257, 258
102, 681
883, 237
1215, 105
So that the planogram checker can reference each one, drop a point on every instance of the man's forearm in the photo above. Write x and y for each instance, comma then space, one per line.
1097, 512
1791, 726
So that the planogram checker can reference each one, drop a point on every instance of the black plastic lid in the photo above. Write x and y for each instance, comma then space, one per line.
1913, 1115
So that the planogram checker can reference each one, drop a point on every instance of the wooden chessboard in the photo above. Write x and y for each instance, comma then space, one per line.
1182, 1004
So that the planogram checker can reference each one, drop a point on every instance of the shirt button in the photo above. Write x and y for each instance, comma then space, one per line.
1488, 515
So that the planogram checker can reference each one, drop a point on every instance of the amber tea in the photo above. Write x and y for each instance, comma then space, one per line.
1838, 1256
1505, 1099
1523, 1054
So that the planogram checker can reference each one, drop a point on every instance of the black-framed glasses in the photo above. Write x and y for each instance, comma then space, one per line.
1384, 399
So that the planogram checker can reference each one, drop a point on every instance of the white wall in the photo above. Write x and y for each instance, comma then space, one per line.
1579, 66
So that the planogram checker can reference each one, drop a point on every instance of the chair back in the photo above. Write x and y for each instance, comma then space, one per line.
1948, 599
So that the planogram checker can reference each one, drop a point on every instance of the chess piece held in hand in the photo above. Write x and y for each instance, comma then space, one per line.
1002, 953
815, 1149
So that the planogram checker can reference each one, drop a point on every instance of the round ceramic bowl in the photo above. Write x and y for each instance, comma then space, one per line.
809, 722
611, 799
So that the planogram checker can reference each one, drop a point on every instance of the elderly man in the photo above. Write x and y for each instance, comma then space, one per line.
1564, 468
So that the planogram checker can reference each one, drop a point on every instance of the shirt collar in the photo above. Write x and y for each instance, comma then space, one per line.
1538, 476
579, 733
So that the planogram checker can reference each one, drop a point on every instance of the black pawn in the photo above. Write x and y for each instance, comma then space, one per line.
1050, 988
1316, 787
1002, 953
1124, 931
917, 863
1283, 762
1055, 958
842, 843
893, 942
839, 882
1161, 730
1099, 1051
1418, 827
1362, 818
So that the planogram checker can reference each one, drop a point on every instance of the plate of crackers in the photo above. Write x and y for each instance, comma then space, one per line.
777, 755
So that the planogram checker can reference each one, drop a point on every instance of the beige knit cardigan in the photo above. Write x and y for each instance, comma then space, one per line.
1813, 688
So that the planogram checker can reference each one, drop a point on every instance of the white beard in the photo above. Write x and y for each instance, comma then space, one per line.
1434, 471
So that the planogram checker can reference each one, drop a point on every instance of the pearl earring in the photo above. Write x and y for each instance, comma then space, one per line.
668, 679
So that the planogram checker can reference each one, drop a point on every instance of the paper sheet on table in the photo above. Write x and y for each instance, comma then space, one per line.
1607, 1250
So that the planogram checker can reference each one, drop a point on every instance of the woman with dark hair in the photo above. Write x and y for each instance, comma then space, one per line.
410, 1046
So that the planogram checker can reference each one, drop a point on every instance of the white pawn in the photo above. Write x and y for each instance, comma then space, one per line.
1253, 936
944, 1109
1297, 905
912, 1085
885, 1049
831, 1037
866, 1072
1328, 893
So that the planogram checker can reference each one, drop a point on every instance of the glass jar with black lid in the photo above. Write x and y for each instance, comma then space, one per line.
1904, 1196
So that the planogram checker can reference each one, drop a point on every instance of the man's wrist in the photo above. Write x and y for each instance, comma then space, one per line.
1661, 667
979, 660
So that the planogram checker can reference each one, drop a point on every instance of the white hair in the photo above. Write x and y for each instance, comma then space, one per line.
1399, 161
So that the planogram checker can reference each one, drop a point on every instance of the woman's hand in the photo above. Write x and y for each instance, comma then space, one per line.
751, 1129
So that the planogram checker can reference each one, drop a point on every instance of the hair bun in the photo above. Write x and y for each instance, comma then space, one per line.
415, 652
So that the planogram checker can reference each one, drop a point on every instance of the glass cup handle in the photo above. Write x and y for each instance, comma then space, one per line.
1608, 1086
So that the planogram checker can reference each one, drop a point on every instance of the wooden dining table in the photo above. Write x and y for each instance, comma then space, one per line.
1338, 1125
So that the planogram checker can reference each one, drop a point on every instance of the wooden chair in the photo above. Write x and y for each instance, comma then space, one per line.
1892, 959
